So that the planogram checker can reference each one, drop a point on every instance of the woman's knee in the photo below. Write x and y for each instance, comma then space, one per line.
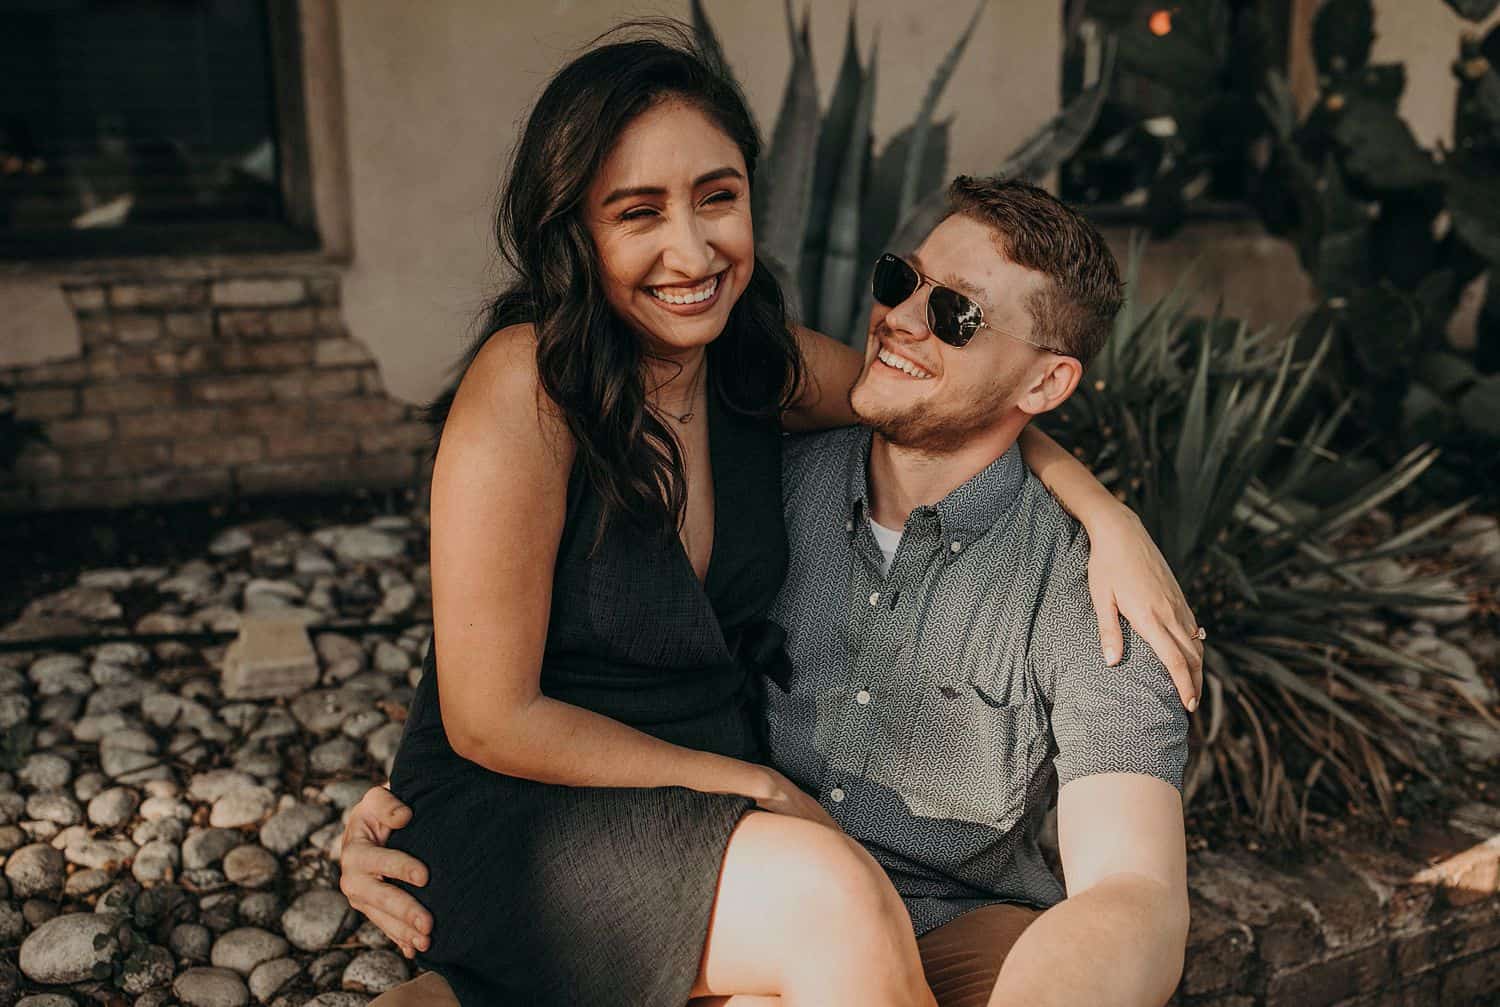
846, 890
802, 908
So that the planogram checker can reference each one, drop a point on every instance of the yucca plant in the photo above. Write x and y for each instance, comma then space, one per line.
826, 205
1307, 707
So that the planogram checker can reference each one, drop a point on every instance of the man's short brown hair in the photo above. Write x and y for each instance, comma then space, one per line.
1075, 310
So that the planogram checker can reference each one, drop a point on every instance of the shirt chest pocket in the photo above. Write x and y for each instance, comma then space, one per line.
969, 759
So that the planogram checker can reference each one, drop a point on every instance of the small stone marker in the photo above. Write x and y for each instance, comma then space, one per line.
272, 657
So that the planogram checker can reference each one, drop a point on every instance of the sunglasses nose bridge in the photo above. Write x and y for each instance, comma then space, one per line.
916, 313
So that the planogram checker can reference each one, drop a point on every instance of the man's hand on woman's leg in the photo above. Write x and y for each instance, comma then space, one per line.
366, 864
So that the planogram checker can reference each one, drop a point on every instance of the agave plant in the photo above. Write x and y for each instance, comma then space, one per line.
1307, 706
826, 205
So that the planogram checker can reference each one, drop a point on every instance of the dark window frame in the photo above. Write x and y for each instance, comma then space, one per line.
298, 228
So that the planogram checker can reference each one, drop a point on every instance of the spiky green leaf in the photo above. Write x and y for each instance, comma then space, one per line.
1065, 133
928, 109
835, 139
708, 40
785, 188
1050, 145
842, 269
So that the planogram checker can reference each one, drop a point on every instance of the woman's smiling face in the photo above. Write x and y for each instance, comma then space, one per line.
669, 214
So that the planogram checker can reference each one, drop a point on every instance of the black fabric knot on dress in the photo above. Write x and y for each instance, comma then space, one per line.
763, 647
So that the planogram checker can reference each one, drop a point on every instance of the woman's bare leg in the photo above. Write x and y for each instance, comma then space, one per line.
804, 913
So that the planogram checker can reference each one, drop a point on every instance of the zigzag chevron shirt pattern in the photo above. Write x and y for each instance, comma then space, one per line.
935, 710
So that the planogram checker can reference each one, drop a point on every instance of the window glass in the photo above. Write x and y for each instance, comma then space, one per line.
134, 115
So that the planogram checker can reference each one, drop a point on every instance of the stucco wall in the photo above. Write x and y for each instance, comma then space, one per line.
1424, 35
435, 93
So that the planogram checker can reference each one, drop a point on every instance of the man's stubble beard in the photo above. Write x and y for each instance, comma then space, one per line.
931, 431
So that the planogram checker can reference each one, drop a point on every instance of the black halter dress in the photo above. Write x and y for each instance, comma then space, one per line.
545, 894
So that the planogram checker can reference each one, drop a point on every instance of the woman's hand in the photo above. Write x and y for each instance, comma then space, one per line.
783, 797
1129, 576
366, 863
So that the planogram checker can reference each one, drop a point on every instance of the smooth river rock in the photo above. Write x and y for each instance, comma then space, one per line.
109, 809
207, 847
239, 808
246, 947
375, 972
250, 866
62, 949
35, 870
269, 977
313, 922
286, 829
211, 987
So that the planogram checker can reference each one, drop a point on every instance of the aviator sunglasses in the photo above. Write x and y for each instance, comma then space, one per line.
952, 317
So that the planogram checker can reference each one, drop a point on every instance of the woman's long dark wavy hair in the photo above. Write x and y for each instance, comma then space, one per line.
589, 361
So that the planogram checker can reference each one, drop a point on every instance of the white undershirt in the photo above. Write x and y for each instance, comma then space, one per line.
888, 539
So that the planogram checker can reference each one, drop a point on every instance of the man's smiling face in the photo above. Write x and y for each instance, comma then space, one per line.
917, 391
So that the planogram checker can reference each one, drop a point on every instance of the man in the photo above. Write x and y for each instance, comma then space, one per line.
944, 654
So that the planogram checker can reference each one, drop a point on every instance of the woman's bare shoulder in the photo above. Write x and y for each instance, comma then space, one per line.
504, 367
500, 403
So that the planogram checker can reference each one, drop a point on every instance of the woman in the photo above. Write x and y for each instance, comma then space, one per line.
581, 755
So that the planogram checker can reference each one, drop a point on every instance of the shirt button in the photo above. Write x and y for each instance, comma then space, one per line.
874, 599
956, 546
862, 697
836, 794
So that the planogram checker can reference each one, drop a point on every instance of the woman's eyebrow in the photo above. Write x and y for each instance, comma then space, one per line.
728, 171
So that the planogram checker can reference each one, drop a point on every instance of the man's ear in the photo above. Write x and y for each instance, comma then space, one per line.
1052, 385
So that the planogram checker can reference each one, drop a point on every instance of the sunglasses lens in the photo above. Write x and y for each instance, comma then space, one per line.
894, 281
952, 317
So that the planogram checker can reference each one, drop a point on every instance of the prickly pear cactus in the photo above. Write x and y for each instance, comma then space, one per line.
1392, 234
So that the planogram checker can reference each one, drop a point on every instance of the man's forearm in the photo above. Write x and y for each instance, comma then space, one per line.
1120, 942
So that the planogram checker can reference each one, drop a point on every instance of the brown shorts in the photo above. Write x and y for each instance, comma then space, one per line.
961, 959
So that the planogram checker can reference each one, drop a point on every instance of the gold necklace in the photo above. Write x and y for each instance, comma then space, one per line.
687, 417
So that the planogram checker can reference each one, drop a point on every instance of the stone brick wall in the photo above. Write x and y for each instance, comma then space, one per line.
1358, 926
208, 387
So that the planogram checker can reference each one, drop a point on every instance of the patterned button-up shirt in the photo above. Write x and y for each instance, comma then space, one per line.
935, 710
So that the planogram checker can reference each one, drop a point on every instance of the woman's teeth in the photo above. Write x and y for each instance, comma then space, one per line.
891, 360
686, 295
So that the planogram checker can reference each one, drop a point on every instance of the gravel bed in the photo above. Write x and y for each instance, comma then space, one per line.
162, 844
